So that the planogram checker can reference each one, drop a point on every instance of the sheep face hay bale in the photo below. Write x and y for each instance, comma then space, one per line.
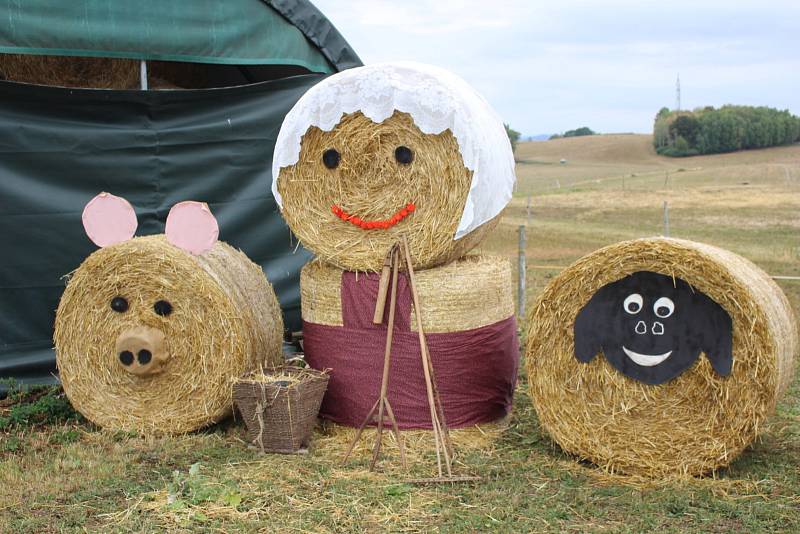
659, 357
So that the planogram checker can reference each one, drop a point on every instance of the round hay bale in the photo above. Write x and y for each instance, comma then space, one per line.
629, 417
375, 152
468, 316
221, 321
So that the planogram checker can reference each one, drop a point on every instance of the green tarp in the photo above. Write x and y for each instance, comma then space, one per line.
231, 32
58, 148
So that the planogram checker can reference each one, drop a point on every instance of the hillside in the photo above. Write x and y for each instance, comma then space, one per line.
631, 158
613, 187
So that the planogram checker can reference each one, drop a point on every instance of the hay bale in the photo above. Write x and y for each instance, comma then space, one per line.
692, 424
375, 188
376, 152
450, 295
468, 315
68, 71
101, 72
224, 322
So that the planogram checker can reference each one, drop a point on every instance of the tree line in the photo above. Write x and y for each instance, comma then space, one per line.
729, 128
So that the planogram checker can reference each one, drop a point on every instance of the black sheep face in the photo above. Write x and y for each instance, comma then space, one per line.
652, 328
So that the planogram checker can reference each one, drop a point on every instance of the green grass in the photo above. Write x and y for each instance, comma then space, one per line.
59, 473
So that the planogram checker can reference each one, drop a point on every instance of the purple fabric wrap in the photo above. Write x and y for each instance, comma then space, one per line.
476, 370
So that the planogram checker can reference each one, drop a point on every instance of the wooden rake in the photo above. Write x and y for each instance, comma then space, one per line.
444, 447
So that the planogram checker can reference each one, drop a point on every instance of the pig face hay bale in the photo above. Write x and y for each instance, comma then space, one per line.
151, 331
659, 357
375, 152
468, 320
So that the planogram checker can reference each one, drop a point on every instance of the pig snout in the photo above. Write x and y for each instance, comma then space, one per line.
142, 350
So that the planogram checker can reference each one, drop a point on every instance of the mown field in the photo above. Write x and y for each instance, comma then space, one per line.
61, 474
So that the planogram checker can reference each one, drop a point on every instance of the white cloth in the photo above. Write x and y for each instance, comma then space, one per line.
436, 100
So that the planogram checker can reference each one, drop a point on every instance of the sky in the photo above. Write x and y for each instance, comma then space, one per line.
548, 67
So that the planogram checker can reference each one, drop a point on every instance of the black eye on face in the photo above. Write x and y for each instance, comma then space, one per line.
162, 308
331, 158
403, 155
119, 304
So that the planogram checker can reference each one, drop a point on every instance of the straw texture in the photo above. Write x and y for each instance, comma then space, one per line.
370, 183
692, 425
471, 292
99, 72
225, 321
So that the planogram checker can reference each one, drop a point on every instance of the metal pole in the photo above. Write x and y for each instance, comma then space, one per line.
143, 75
666, 219
522, 275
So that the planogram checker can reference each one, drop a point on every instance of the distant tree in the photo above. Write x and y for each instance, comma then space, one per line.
513, 137
662, 113
556, 136
686, 126
578, 132
709, 131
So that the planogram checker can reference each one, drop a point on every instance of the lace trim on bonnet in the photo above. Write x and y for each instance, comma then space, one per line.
436, 100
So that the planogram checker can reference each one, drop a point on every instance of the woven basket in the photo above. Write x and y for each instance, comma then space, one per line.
280, 414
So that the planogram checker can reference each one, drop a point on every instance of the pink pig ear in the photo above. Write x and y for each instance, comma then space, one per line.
109, 219
192, 227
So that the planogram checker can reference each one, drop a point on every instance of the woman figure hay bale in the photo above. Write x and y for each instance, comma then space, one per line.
366, 158
151, 331
659, 357
379, 151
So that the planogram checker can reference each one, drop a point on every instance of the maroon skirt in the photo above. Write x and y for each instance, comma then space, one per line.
475, 370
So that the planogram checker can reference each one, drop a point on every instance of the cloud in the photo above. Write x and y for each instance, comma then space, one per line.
549, 67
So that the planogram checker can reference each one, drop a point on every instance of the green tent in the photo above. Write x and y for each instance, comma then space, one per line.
60, 146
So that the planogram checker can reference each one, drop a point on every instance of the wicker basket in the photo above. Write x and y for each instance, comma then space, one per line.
280, 406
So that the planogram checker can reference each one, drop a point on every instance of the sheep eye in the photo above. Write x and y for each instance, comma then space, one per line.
633, 304
331, 158
162, 308
403, 155
664, 307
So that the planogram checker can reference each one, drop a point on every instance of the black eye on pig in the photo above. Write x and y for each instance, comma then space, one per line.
119, 304
162, 308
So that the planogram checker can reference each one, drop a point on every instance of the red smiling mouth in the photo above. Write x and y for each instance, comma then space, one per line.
374, 225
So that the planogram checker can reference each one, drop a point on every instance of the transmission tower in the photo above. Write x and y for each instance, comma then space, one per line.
678, 93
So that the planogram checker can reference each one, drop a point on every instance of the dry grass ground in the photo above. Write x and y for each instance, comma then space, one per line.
68, 476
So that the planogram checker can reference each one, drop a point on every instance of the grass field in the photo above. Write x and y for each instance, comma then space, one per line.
61, 474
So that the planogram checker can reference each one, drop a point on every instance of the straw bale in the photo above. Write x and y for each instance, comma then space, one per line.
225, 321
691, 425
371, 184
100, 72
468, 293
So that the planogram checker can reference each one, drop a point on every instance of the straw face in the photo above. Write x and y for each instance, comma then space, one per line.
221, 319
377, 171
690, 425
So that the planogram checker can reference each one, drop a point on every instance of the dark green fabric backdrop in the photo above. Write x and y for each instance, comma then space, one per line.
60, 147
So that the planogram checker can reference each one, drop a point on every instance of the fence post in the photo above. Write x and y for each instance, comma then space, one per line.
522, 275
666, 219
528, 211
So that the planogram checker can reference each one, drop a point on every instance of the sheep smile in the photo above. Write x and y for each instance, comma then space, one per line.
646, 360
